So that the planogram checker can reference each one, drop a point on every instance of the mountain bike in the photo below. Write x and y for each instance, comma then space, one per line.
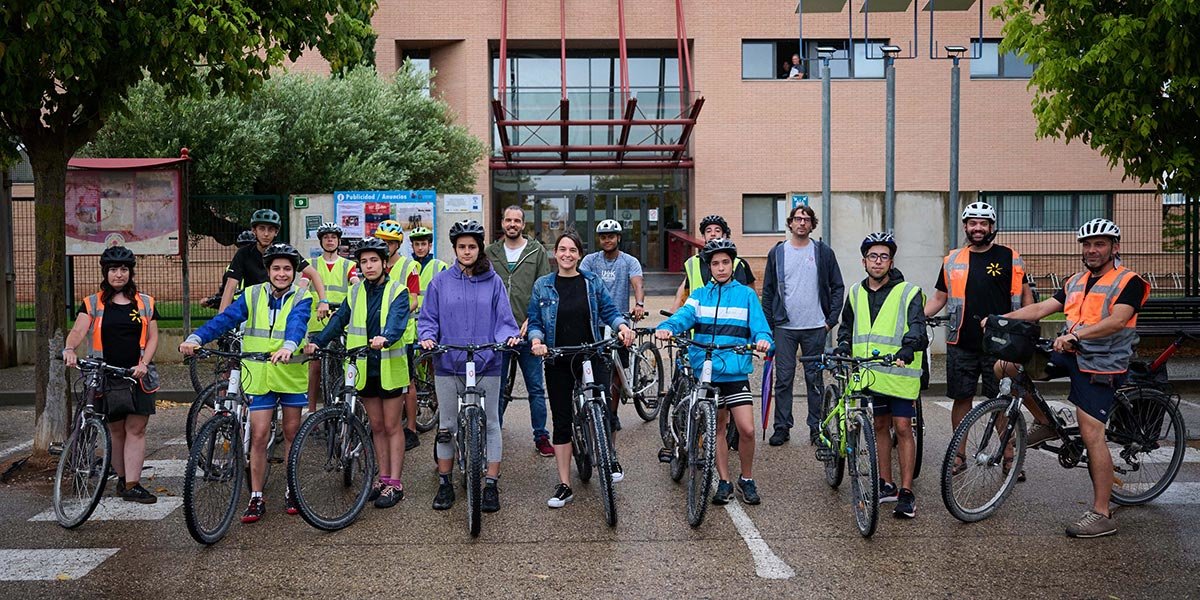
642, 379
683, 380
427, 401
230, 341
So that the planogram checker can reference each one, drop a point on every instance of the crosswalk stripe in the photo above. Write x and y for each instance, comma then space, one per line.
116, 509
164, 468
50, 565
1187, 492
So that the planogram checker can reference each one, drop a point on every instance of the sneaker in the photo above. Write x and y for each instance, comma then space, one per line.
562, 495
1039, 433
389, 496
618, 474
906, 504
1092, 524
255, 510
814, 437
491, 498
376, 489
411, 440
748, 490
138, 494
444, 500
781, 437
543, 446
290, 505
724, 493
888, 492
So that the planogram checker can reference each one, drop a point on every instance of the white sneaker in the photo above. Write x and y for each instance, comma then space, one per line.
562, 495
618, 474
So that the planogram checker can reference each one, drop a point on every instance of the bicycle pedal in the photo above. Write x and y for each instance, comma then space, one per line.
824, 454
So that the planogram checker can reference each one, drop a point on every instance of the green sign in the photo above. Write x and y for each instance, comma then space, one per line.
300, 202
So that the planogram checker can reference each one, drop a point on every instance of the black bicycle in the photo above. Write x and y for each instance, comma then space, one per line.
427, 400
203, 381
683, 379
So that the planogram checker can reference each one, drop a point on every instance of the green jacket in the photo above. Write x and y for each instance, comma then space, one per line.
534, 263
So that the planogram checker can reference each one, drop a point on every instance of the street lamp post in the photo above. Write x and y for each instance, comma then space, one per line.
889, 142
826, 52
955, 53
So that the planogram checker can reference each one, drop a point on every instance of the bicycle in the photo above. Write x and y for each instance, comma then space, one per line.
682, 381
230, 341
642, 379
85, 458
332, 461
848, 429
918, 420
1138, 433
470, 442
427, 401
693, 430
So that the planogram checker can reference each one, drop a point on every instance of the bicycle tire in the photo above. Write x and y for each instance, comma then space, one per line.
681, 387
427, 402
649, 383
864, 486
701, 461
87, 444
835, 466
345, 449
579, 447
1145, 415
204, 401
954, 499
224, 433
194, 373
474, 421
333, 377
602, 453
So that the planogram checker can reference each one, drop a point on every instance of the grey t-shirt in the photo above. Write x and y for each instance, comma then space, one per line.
615, 274
800, 288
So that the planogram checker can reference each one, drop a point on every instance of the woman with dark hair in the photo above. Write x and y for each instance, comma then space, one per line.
125, 337
570, 308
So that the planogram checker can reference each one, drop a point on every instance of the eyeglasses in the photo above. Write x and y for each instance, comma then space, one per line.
873, 257
799, 219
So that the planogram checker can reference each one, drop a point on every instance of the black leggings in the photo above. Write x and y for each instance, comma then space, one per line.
560, 383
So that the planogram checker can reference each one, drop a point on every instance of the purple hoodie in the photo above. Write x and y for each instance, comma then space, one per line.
466, 310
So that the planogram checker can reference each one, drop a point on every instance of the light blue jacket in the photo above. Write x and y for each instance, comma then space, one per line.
722, 314
543, 308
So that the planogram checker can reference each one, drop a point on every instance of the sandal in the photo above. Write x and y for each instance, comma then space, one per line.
960, 464
1008, 467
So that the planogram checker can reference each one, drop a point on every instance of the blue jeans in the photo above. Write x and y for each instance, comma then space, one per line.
531, 368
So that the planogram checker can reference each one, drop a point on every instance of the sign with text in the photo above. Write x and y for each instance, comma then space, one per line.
136, 209
360, 212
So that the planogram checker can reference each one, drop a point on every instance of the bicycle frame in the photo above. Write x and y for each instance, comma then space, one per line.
846, 375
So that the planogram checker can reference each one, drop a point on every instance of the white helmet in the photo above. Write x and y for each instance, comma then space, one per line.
979, 210
1097, 227
609, 226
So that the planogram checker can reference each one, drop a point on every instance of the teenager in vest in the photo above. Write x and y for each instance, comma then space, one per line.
334, 271
407, 272
884, 313
124, 331
246, 268
376, 313
1101, 306
696, 271
275, 315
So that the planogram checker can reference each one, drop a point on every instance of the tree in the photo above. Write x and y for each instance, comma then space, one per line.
1123, 78
65, 68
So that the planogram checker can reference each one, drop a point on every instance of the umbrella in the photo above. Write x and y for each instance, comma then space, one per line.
767, 391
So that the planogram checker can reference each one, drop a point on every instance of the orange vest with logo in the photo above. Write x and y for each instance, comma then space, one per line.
95, 309
955, 268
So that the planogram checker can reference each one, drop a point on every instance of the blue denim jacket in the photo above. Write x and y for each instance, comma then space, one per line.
543, 308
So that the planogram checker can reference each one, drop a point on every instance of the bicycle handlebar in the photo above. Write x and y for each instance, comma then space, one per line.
829, 357
472, 348
347, 354
92, 364
209, 352
592, 348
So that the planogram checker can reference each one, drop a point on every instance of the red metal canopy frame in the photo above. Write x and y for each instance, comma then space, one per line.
626, 153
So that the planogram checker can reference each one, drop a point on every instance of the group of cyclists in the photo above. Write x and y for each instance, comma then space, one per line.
507, 294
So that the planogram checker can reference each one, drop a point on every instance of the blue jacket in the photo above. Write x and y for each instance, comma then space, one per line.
397, 321
543, 308
722, 314
237, 312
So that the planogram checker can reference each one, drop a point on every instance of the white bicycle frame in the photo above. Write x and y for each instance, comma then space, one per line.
693, 398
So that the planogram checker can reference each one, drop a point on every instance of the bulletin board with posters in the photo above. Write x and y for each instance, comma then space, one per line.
138, 209
360, 212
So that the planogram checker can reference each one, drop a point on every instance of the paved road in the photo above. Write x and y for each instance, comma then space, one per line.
802, 534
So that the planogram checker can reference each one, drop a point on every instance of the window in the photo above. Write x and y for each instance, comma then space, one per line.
1052, 211
771, 59
993, 65
421, 64
763, 213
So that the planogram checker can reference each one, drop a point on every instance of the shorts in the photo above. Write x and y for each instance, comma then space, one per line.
891, 405
270, 400
143, 405
373, 388
964, 368
731, 394
1093, 394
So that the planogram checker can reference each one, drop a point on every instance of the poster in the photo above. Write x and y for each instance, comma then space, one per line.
311, 224
350, 217
367, 209
135, 209
462, 203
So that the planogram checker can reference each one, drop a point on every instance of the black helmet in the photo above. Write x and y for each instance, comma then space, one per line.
246, 238
371, 244
329, 227
281, 250
877, 239
118, 255
719, 245
469, 227
265, 216
714, 220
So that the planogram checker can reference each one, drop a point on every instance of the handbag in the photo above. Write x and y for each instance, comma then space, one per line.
1012, 340
118, 396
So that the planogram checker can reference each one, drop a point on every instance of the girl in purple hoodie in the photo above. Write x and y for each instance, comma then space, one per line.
467, 304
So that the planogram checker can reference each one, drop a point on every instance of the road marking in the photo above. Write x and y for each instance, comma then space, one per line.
116, 509
164, 468
16, 449
766, 564
179, 441
1180, 493
50, 565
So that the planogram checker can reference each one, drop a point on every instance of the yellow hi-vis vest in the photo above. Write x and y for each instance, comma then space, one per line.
393, 362
261, 335
399, 273
337, 284
885, 335
430, 269
691, 267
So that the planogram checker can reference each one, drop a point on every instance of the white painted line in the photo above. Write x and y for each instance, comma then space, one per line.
51, 565
1180, 493
116, 509
16, 449
179, 441
766, 564
1161, 455
164, 468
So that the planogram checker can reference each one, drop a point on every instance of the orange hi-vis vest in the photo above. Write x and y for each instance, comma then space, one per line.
1084, 308
95, 310
955, 268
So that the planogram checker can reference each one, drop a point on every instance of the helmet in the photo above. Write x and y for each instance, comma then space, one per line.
390, 230
1097, 227
469, 227
420, 233
719, 245
714, 220
876, 239
265, 216
609, 226
246, 238
329, 227
371, 245
979, 210
118, 255
281, 251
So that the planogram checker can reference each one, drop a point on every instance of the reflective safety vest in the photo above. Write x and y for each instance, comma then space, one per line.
337, 284
886, 335
1111, 354
399, 273
430, 269
393, 362
263, 335
95, 310
695, 280
955, 269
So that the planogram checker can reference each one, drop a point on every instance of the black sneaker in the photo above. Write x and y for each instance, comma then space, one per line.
444, 500
389, 496
255, 510
748, 491
119, 488
888, 492
138, 494
906, 505
376, 488
411, 439
724, 493
779, 438
814, 437
491, 498
562, 495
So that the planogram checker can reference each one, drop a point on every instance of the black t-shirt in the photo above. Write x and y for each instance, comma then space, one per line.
120, 332
1132, 295
741, 272
989, 292
247, 266
574, 324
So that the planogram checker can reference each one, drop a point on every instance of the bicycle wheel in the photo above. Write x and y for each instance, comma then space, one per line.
203, 408
579, 447
835, 462
701, 461
681, 387
647, 381
473, 417
82, 472
274, 451
427, 403
918, 427
333, 377
194, 374
864, 473
212, 481
981, 483
331, 468
1147, 441
602, 453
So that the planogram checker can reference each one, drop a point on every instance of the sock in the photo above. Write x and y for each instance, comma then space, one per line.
129, 485
384, 478
254, 495
744, 480
444, 478
490, 480
394, 483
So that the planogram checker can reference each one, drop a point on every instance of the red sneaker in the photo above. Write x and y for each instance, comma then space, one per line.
255, 511
543, 446
292, 507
